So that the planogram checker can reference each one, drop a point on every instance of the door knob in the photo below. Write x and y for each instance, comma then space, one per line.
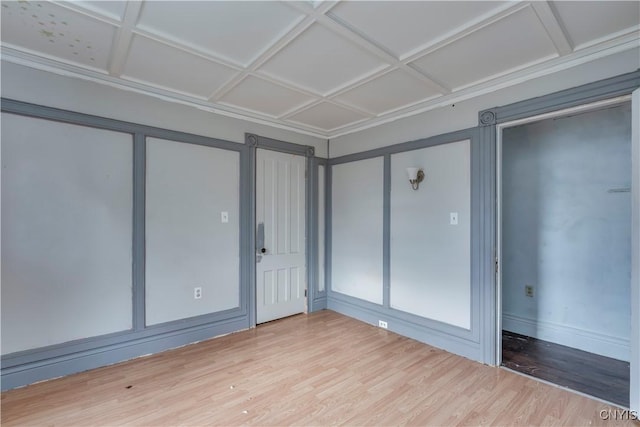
263, 250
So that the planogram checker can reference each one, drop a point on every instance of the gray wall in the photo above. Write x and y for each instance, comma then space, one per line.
187, 245
66, 232
430, 258
565, 234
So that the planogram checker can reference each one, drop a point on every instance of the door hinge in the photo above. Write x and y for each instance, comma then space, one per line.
496, 265
305, 293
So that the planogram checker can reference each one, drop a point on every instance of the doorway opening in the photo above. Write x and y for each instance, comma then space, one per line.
564, 245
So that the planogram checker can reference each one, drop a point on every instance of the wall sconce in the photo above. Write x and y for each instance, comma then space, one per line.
416, 176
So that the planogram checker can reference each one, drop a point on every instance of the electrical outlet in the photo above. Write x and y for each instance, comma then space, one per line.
197, 293
528, 291
453, 218
382, 324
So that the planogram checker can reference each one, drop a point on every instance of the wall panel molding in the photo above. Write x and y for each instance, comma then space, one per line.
25, 367
465, 342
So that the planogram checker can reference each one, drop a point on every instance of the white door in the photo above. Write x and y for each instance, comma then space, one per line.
280, 235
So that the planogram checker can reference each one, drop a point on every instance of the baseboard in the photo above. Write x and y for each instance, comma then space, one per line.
29, 373
369, 313
593, 342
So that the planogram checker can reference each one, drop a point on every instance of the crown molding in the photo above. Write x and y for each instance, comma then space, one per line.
624, 42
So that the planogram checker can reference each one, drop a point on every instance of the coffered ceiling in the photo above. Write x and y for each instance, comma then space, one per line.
323, 68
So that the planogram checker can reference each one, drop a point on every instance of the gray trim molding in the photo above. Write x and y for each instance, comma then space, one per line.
318, 299
253, 142
462, 341
25, 367
596, 91
591, 92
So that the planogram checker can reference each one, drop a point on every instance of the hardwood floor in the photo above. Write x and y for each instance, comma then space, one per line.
318, 369
579, 370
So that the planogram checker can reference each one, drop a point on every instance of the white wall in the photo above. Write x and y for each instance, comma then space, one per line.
465, 113
187, 246
565, 234
69, 93
356, 233
430, 258
66, 232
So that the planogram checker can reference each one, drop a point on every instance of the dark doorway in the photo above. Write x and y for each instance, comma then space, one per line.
566, 250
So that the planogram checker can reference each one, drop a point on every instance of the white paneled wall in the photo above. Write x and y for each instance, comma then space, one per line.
66, 232
188, 187
430, 257
356, 214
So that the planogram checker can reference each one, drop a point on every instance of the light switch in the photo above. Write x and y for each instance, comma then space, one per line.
453, 218
224, 217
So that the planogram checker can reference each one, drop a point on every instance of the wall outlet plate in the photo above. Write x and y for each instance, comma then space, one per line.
528, 291
197, 293
382, 324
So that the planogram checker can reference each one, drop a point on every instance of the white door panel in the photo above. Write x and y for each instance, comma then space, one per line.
280, 227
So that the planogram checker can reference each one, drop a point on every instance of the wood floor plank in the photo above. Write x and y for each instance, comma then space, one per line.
579, 370
317, 369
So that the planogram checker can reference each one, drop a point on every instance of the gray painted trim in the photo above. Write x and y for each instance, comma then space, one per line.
320, 297
445, 138
249, 221
139, 183
44, 354
21, 368
386, 232
252, 143
452, 338
114, 353
591, 92
319, 301
311, 219
72, 117
247, 235
407, 327
257, 141
580, 95
486, 242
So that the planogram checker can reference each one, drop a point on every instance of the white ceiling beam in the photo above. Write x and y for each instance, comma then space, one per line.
124, 36
557, 33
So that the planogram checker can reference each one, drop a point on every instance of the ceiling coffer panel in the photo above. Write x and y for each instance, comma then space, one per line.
423, 22
258, 95
236, 31
590, 21
327, 116
389, 92
172, 69
56, 32
322, 62
509, 44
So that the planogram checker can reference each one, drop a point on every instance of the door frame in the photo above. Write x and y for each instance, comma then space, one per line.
488, 122
499, 130
253, 142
